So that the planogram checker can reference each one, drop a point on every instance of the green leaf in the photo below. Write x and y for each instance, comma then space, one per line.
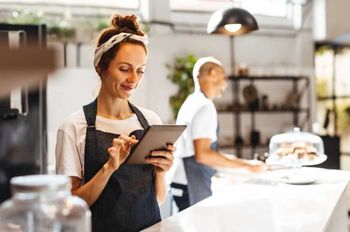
180, 73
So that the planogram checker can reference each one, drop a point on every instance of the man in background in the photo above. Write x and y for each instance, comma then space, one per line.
198, 146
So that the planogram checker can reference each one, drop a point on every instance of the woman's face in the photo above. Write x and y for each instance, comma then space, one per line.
125, 71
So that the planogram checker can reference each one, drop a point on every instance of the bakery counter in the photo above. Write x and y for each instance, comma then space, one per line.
246, 202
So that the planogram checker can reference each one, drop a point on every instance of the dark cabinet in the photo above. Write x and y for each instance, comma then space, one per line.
23, 129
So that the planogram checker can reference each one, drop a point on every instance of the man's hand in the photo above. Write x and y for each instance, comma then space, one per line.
256, 166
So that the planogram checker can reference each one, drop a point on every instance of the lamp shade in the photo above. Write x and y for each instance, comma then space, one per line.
231, 21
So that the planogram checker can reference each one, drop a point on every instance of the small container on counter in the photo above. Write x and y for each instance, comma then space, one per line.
43, 203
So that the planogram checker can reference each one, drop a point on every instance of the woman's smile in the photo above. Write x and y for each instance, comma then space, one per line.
127, 87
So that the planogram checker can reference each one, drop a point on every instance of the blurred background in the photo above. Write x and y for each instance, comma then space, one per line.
292, 72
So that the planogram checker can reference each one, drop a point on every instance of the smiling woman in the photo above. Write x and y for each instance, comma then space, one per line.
93, 143
120, 58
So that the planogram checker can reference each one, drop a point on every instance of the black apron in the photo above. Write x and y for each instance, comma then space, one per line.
129, 201
199, 176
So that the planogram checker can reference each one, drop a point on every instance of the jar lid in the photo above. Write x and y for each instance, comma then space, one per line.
39, 183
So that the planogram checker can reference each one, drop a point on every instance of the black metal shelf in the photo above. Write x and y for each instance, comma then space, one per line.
231, 146
334, 97
267, 78
272, 111
237, 108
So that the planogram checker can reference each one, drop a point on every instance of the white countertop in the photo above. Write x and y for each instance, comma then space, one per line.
242, 202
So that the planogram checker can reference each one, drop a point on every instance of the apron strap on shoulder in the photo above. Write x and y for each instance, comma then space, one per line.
90, 111
140, 116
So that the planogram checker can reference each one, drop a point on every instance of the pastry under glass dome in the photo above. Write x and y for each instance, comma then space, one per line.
296, 149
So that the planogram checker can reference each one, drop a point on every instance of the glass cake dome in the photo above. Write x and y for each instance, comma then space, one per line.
296, 148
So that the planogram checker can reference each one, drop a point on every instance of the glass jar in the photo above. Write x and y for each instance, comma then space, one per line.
42, 203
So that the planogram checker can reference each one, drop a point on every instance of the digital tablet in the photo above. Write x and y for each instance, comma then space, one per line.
156, 137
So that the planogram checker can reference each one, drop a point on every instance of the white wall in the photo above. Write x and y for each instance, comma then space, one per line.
331, 19
163, 50
67, 90
337, 12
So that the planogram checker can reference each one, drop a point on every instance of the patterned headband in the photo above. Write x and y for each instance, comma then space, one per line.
114, 40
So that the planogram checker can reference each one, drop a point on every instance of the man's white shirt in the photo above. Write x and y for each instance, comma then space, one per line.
200, 116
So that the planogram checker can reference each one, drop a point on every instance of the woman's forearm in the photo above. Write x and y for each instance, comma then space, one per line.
92, 190
160, 187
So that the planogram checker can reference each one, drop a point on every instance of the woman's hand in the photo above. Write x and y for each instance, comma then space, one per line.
162, 160
120, 150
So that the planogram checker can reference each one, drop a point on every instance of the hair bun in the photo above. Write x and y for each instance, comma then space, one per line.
125, 23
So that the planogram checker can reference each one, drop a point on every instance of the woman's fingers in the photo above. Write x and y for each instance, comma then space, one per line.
113, 151
129, 141
120, 149
117, 143
171, 148
165, 166
161, 159
132, 139
124, 142
162, 154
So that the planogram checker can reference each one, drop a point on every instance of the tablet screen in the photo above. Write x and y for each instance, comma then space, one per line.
156, 137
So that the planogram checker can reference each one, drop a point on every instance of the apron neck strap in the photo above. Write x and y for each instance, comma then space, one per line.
90, 111
140, 116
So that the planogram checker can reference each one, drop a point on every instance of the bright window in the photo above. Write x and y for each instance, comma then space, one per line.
277, 8
129, 4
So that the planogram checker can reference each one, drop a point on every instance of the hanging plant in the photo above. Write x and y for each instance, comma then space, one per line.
62, 27
343, 117
180, 73
322, 87
25, 17
61, 32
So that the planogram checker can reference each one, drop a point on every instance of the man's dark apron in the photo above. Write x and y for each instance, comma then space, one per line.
129, 201
199, 176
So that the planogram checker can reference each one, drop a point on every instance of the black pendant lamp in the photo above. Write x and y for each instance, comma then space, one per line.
231, 21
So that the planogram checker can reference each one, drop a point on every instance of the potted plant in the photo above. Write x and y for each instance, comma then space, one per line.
180, 73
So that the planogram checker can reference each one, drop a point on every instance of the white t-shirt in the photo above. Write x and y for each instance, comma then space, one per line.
200, 116
71, 136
